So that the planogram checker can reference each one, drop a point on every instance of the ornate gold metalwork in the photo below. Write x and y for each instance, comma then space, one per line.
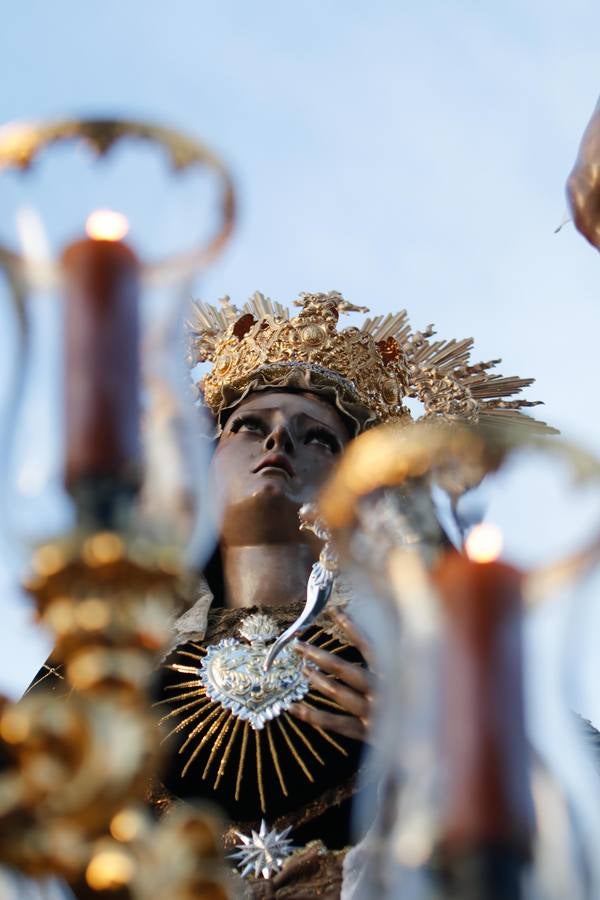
219, 702
367, 371
68, 766
21, 144
74, 753
110, 600
179, 856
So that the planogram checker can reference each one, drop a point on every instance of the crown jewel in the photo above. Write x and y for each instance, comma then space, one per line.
368, 371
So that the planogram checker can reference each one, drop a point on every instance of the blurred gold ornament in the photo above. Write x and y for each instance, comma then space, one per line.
82, 745
110, 601
128, 824
69, 765
110, 869
178, 858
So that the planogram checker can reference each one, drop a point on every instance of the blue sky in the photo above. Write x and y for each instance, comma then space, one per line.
409, 155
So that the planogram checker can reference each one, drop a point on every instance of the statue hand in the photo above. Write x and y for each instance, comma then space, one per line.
347, 684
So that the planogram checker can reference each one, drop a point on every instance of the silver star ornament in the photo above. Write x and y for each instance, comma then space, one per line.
263, 852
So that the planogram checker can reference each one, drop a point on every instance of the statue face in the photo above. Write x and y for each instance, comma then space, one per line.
276, 450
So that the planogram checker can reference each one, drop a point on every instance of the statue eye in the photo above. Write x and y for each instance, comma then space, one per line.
324, 437
248, 423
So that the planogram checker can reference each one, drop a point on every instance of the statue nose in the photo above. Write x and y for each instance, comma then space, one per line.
280, 439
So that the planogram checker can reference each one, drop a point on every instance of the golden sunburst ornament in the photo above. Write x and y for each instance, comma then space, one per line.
228, 706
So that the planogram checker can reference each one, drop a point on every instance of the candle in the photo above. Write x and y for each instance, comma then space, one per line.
101, 276
487, 800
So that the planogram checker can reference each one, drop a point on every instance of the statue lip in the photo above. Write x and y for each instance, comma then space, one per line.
276, 461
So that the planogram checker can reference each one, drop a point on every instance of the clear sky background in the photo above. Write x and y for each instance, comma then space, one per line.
409, 155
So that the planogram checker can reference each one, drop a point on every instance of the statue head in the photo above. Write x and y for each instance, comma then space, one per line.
274, 453
368, 373
273, 373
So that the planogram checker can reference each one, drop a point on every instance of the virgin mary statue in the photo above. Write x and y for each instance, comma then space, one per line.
280, 750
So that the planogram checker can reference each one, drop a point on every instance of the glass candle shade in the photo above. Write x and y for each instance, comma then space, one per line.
104, 432
484, 774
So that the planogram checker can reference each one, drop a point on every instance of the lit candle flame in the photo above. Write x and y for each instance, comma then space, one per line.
484, 543
106, 225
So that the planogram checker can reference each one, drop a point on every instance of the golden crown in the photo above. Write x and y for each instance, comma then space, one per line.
368, 372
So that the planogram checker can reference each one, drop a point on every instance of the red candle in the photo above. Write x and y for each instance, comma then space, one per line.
484, 749
101, 275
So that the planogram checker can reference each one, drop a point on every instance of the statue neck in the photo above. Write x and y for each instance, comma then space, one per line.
266, 574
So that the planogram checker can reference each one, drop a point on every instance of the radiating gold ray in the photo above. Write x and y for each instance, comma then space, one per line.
218, 741
184, 696
329, 643
181, 709
303, 738
314, 636
182, 684
227, 753
240, 772
208, 720
330, 740
259, 773
340, 649
185, 670
181, 725
273, 749
198, 728
330, 703
293, 750
190, 655
206, 737
206, 702
324, 734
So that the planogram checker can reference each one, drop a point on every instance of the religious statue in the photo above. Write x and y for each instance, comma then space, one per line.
277, 740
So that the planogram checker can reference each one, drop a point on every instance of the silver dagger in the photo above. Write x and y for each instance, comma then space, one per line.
319, 587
